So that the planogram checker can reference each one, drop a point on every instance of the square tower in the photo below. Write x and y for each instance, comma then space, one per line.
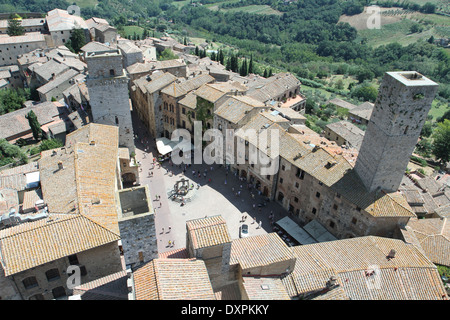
107, 84
403, 102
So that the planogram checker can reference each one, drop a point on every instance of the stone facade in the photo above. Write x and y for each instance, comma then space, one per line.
306, 198
108, 93
94, 264
400, 111
12, 47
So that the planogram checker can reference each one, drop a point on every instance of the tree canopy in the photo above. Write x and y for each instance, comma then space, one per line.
441, 141
15, 26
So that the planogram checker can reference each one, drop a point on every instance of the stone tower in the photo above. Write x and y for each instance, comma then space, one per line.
107, 83
400, 111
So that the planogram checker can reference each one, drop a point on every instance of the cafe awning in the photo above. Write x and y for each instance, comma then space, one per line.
295, 231
166, 146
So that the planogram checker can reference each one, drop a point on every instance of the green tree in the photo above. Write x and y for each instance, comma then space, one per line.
49, 144
15, 26
441, 142
221, 57
424, 147
77, 40
415, 28
167, 54
10, 153
427, 129
34, 125
250, 65
13, 99
364, 92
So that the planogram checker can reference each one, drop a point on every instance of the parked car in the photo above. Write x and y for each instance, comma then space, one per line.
243, 231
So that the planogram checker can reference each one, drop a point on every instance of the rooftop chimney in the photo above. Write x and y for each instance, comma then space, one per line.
391, 254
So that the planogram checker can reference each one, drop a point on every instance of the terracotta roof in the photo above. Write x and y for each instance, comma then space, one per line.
111, 287
341, 103
14, 123
260, 250
190, 101
432, 236
180, 89
407, 276
173, 279
209, 93
363, 111
30, 198
274, 87
207, 232
86, 183
376, 203
228, 292
174, 254
235, 108
58, 20
347, 131
264, 288
34, 243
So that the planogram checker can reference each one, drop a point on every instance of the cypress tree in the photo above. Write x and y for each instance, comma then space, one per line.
270, 73
196, 51
265, 73
250, 66
221, 57
34, 125
228, 65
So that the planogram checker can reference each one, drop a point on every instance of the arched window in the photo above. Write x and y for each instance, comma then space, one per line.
112, 72
37, 296
30, 282
59, 292
52, 274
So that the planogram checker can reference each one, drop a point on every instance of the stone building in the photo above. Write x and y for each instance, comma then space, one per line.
137, 225
53, 90
361, 114
171, 279
12, 47
208, 239
39, 269
107, 84
147, 100
280, 87
400, 111
172, 94
29, 25
60, 25
131, 53
344, 133
98, 225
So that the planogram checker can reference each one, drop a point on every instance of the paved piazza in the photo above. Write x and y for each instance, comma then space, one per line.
215, 197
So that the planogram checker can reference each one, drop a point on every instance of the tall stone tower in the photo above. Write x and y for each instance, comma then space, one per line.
400, 111
107, 83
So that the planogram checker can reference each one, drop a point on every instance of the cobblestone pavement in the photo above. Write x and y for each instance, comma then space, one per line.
212, 197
